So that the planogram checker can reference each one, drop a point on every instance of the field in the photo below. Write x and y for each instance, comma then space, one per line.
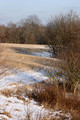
25, 69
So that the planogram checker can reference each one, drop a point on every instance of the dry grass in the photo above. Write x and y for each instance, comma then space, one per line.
21, 61
54, 98
33, 46
18, 91
7, 92
48, 95
6, 113
45, 94
3, 67
14, 83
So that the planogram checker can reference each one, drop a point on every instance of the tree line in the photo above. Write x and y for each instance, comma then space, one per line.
27, 31
61, 30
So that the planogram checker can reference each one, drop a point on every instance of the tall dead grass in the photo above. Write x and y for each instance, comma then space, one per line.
50, 98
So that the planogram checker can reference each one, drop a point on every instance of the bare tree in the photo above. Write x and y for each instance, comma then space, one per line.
64, 32
31, 29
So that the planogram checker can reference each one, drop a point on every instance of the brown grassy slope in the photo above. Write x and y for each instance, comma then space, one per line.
15, 59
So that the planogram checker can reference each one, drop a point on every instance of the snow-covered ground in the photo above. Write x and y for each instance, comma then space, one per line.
42, 54
12, 108
28, 77
19, 110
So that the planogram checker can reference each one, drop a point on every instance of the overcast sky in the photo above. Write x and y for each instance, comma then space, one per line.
15, 10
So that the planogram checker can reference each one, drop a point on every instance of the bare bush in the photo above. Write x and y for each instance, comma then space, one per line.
63, 34
62, 31
47, 95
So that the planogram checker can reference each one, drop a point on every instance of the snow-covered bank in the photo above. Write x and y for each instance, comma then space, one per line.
28, 77
35, 52
19, 110
41, 54
14, 109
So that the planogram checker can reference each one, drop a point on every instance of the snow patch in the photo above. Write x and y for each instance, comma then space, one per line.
28, 77
20, 110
